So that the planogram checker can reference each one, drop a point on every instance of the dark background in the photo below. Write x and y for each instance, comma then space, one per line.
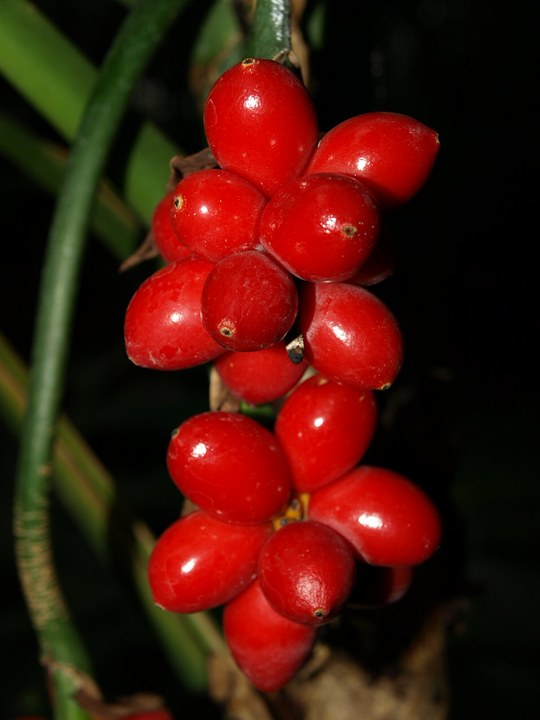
463, 416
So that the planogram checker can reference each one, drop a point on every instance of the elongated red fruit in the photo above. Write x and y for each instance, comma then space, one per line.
325, 428
350, 336
392, 153
200, 563
163, 329
268, 647
387, 519
229, 465
260, 122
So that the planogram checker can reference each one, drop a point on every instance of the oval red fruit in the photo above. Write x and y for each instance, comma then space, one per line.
307, 571
350, 336
266, 646
386, 518
261, 376
163, 328
248, 302
322, 227
260, 122
324, 428
200, 563
392, 153
215, 213
229, 465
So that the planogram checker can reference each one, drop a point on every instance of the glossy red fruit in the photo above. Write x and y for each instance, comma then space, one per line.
261, 376
324, 428
200, 563
166, 240
163, 328
307, 572
215, 213
392, 153
386, 518
321, 227
350, 336
266, 646
248, 302
229, 465
260, 123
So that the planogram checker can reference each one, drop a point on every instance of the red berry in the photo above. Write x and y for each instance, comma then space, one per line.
393, 154
266, 646
200, 563
386, 518
260, 122
163, 327
261, 376
321, 227
307, 571
350, 336
166, 240
215, 213
229, 465
324, 428
249, 302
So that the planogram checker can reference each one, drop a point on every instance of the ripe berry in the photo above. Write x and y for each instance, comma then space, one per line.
260, 123
229, 465
248, 302
200, 563
163, 327
268, 647
321, 227
393, 154
166, 240
215, 213
324, 428
386, 518
350, 336
307, 571
261, 376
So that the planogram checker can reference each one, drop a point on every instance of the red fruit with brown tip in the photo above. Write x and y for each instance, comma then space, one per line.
248, 302
321, 227
268, 647
216, 213
306, 571
200, 563
163, 329
392, 153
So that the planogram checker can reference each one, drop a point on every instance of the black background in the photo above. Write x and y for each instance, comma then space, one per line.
462, 418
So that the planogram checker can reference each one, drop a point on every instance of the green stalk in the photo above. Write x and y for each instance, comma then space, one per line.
270, 31
57, 80
88, 493
60, 643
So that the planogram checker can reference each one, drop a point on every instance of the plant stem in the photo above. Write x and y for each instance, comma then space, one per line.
270, 31
60, 643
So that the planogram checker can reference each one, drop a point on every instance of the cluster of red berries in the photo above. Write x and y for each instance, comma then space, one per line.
268, 256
